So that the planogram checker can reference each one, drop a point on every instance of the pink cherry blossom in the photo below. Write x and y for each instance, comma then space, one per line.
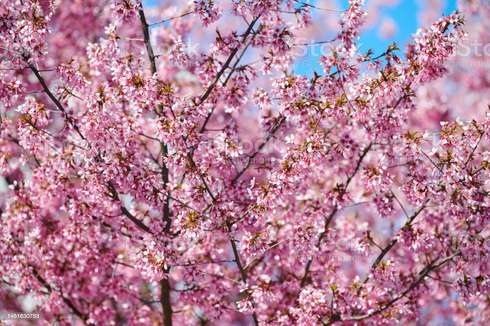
167, 166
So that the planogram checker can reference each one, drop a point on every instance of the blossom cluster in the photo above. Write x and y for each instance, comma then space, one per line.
130, 193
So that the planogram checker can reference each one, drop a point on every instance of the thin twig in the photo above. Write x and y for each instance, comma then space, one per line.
334, 211
243, 272
83, 317
171, 18
271, 134
393, 242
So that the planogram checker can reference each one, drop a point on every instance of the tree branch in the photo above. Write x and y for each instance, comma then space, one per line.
261, 146
165, 301
124, 210
395, 240
164, 282
330, 217
434, 265
227, 63
83, 317
243, 272
55, 100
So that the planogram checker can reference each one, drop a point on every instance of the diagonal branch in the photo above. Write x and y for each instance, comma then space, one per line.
114, 194
55, 100
227, 63
431, 267
172, 18
392, 243
330, 217
271, 134
67, 301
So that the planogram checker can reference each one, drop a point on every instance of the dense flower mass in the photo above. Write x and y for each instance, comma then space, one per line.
167, 166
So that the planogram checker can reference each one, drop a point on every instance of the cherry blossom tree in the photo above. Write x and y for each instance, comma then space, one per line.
165, 165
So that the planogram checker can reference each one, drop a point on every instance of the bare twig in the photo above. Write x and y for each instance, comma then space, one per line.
171, 18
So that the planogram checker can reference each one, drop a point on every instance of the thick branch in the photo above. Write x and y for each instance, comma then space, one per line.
164, 282
146, 35
165, 301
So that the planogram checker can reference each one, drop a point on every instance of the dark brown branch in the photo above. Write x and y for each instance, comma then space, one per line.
358, 165
67, 301
392, 243
472, 153
146, 36
329, 219
431, 161
223, 69
237, 61
60, 107
226, 64
210, 89
172, 18
315, 43
114, 194
318, 8
190, 158
153, 69
54, 99
165, 300
243, 272
164, 282
197, 263
208, 117
136, 221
